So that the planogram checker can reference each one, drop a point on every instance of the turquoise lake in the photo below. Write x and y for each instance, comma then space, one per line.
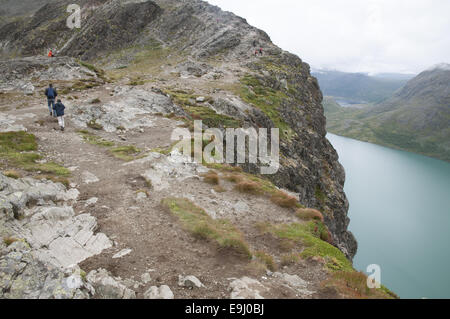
400, 216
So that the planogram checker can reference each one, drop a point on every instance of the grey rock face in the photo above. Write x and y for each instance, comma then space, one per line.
108, 287
49, 239
162, 292
246, 288
294, 282
54, 233
127, 111
22, 276
189, 282
17, 74
199, 31
105, 21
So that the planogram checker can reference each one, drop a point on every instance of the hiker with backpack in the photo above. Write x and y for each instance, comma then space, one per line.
51, 95
59, 113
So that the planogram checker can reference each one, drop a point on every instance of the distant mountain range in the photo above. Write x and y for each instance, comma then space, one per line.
360, 87
415, 118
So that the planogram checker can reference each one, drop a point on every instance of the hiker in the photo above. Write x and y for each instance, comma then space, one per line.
51, 94
256, 52
59, 111
260, 51
50, 54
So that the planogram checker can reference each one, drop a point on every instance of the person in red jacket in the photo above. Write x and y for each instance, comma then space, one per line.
50, 54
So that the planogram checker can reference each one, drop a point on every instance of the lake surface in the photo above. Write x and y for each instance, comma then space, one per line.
400, 215
345, 103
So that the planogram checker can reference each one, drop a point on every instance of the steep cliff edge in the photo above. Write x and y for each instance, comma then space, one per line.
167, 61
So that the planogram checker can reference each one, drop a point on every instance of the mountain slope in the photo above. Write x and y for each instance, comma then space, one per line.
183, 61
416, 118
359, 88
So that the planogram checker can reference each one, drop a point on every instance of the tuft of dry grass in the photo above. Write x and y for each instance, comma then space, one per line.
248, 187
284, 200
234, 178
325, 235
225, 168
286, 244
219, 189
353, 285
267, 260
55, 179
309, 214
12, 174
290, 259
9, 240
211, 178
256, 268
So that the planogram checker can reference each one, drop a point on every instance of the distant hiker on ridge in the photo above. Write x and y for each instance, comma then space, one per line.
51, 94
59, 111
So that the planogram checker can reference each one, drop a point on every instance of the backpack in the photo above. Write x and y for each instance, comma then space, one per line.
51, 93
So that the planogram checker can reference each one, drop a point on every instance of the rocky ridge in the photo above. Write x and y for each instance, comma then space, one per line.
189, 61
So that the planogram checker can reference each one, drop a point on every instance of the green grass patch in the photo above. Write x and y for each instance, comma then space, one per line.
100, 73
268, 100
309, 235
187, 100
18, 149
94, 139
196, 221
353, 285
125, 153
213, 119
94, 125
320, 195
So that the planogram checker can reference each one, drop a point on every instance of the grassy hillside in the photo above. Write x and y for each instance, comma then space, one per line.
359, 87
415, 119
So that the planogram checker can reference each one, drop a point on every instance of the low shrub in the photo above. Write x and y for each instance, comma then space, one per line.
309, 214
211, 178
284, 200
248, 187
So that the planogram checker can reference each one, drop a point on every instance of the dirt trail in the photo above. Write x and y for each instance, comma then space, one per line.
158, 244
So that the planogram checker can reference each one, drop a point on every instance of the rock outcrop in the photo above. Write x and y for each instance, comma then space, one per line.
45, 240
164, 64
275, 90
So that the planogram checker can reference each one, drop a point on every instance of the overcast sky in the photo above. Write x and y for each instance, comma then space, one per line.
405, 36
